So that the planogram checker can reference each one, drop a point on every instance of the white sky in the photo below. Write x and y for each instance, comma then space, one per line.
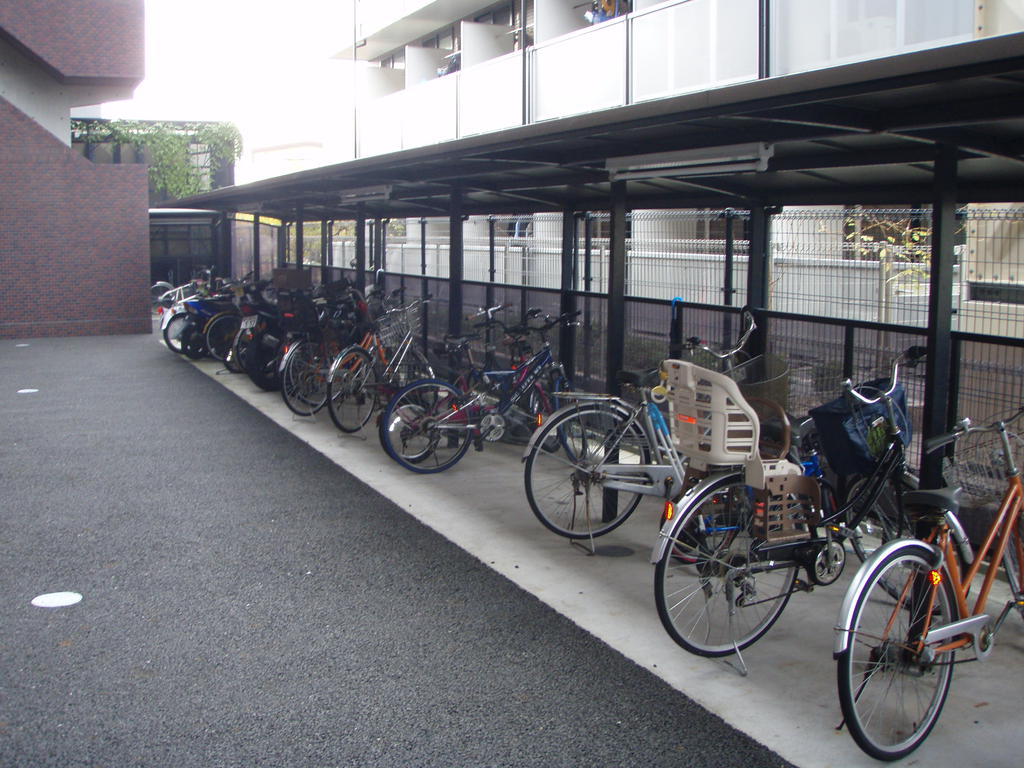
261, 64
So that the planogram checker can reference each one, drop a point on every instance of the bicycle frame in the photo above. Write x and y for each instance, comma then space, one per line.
661, 478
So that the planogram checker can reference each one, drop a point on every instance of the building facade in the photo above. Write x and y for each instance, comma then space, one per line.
74, 236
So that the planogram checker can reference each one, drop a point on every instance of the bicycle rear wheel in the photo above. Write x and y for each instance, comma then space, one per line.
424, 427
715, 593
303, 380
564, 483
891, 692
220, 334
352, 389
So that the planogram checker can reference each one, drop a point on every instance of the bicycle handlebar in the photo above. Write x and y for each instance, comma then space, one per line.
911, 358
964, 427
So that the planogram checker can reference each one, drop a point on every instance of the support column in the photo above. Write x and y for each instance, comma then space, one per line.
299, 233
256, 247
455, 263
360, 280
938, 364
728, 287
567, 334
758, 275
324, 276
616, 315
282, 245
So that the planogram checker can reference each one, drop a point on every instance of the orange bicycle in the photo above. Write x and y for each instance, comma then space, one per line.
365, 375
906, 614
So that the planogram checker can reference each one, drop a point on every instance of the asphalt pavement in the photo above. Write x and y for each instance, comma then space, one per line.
248, 602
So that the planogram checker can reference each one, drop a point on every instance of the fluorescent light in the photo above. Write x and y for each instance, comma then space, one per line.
365, 194
707, 161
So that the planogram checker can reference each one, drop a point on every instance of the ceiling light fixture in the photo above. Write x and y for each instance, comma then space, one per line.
707, 161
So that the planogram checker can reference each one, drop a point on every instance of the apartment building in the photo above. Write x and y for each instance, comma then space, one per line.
437, 71
74, 246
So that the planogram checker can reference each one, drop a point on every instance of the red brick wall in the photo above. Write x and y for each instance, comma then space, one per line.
74, 238
79, 40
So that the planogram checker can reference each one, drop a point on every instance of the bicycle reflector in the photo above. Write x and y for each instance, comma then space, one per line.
668, 513
935, 577
540, 419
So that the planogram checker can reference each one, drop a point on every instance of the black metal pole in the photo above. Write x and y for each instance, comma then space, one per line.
567, 333
729, 288
425, 284
256, 247
758, 271
360, 280
324, 277
455, 263
616, 316
938, 364
299, 227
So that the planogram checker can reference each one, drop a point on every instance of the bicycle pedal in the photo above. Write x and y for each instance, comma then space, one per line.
799, 585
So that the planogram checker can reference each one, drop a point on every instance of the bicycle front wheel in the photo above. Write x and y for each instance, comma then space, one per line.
352, 390
424, 427
891, 689
303, 380
716, 594
564, 471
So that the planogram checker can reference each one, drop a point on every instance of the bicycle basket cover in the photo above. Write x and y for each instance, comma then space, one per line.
849, 431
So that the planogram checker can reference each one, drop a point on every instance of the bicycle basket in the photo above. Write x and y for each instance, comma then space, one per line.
396, 323
765, 377
978, 466
854, 436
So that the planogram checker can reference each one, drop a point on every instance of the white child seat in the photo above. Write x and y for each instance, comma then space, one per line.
714, 426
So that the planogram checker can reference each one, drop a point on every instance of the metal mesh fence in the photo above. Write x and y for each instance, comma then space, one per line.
837, 267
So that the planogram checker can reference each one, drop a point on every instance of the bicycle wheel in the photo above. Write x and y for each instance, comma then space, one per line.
173, 330
303, 380
715, 593
352, 389
424, 428
220, 334
890, 693
413, 367
563, 473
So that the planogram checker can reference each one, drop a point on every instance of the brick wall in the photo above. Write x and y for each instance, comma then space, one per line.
74, 238
80, 40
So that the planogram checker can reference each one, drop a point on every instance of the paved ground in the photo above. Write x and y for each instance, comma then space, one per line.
249, 603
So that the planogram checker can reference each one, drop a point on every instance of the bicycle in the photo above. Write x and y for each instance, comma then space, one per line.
429, 425
896, 648
385, 360
590, 464
319, 328
733, 542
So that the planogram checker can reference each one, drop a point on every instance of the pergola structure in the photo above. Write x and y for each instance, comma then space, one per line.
942, 127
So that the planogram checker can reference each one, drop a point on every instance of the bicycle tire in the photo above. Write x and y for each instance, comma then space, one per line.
303, 381
352, 389
715, 594
424, 428
173, 330
220, 334
890, 698
560, 474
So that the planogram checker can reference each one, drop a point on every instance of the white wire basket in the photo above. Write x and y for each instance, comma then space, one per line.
395, 324
978, 466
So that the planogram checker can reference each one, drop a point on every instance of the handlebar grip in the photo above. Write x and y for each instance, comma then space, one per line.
934, 443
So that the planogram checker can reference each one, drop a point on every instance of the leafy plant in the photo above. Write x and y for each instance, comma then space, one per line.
182, 156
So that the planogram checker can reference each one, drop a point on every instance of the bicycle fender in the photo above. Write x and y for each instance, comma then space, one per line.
845, 619
288, 355
333, 370
667, 532
613, 405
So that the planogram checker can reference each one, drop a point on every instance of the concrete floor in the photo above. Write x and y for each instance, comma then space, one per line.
787, 702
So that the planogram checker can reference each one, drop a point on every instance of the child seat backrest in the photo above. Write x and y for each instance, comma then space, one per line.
712, 423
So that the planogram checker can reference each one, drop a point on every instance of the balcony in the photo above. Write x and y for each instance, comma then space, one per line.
658, 51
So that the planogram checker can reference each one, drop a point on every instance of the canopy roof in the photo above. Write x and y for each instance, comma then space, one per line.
865, 133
